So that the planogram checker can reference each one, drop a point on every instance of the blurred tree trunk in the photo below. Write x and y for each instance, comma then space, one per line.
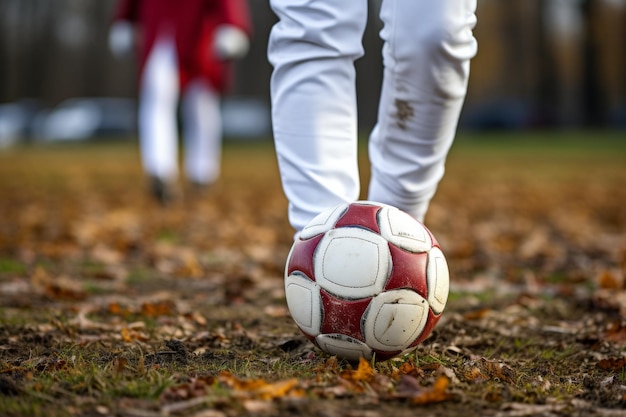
593, 98
546, 87
253, 72
27, 29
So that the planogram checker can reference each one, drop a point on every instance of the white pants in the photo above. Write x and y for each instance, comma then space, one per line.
158, 130
427, 48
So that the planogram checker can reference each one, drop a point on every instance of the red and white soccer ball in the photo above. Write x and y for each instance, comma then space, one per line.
366, 279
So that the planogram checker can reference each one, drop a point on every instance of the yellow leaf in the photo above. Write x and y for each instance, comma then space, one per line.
277, 389
409, 368
156, 309
126, 337
474, 374
436, 394
364, 372
261, 389
610, 281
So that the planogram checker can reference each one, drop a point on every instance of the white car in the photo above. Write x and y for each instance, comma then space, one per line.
87, 118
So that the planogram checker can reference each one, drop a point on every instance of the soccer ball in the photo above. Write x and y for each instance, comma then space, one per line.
366, 280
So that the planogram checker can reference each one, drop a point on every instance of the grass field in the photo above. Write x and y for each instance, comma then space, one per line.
113, 305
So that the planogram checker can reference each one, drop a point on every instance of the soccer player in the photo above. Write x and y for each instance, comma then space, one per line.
428, 45
186, 50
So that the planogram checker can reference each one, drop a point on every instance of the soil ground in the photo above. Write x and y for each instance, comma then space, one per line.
113, 305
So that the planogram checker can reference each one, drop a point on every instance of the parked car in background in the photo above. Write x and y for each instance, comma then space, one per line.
246, 118
16, 120
87, 118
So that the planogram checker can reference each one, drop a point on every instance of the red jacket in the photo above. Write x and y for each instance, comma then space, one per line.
192, 23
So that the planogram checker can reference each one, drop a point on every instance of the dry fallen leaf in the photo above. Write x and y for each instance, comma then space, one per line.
409, 368
129, 335
59, 287
497, 370
364, 372
196, 387
476, 314
612, 364
157, 308
474, 374
260, 388
436, 394
610, 280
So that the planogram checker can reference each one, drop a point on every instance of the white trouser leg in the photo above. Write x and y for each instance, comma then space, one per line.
426, 54
202, 126
158, 100
312, 49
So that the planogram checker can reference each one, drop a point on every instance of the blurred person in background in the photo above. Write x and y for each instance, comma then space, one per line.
428, 45
186, 50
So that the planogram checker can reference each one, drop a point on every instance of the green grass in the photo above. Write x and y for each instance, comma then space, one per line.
544, 143
11, 266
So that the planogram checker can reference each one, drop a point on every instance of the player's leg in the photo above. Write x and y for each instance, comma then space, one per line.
158, 100
427, 48
313, 48
202, 124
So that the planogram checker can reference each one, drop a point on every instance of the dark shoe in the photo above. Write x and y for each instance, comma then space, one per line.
199, 190
162, 191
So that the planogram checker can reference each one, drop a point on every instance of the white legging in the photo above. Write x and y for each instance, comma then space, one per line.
427, 48
201, 120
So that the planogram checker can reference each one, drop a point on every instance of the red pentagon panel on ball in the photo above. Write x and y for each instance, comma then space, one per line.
360, 215
302, 256
343, 316
408, 271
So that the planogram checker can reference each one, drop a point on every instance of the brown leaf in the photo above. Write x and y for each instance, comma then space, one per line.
158, 308
126, 335
616, 333
474, 374
279, 389
116, 309
120, 364
436, 394
498, 370
129, 335
612, 364
409, 368
197, 387
364, 372
476, 314
64, 291
189, 266
260, 388
57, 288
331, 365
610, 281
196, 317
